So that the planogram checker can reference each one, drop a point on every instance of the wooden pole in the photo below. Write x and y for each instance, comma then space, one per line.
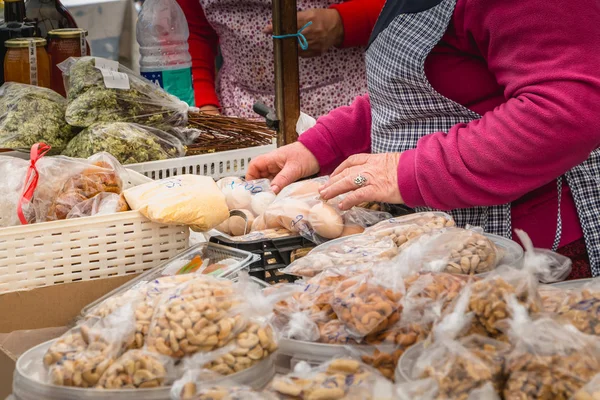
287, 71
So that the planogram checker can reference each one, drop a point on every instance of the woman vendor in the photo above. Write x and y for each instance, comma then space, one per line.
488, 109
338, 34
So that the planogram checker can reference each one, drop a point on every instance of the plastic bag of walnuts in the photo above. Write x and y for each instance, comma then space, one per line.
549, 360
197, 316
403, 230
340, 378
591, 391
84, 353
581, 308
354, 250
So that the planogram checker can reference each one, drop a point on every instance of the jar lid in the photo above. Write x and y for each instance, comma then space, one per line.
24, 42
68, 33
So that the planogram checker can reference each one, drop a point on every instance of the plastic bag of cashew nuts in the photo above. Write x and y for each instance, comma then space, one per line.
581, 308
139, 369
549, 360
428, 389
198, 385
200, 315
354, 250
84, 353
453, 250
403, 230
460, 365
340, 378
369, 303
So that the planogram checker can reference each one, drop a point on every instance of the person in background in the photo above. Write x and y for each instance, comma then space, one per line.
485, 108
332, 70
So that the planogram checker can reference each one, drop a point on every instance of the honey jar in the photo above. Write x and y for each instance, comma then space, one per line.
63, 44
27, 61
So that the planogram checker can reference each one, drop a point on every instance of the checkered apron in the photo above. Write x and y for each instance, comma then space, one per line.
405, 107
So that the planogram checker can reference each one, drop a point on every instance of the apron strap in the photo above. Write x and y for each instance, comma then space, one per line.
558, 236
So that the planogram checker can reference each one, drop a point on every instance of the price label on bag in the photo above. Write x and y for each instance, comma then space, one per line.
113, 79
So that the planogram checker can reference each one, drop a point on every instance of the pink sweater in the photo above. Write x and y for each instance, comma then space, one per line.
531, 69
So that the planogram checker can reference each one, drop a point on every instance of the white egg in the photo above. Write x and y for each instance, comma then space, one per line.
240, 226
224, 227
306, 189
261, 201
326, 221
259, 224
231, 181
239, 198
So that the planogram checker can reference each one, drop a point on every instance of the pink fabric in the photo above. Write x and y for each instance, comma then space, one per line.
530, 68
247, 74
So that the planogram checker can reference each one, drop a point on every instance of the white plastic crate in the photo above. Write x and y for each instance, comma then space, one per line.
218, 165
84, 249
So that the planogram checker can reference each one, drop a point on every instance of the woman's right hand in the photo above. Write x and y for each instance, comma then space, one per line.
284, 166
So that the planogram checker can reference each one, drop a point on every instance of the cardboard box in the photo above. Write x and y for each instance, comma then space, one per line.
31, 317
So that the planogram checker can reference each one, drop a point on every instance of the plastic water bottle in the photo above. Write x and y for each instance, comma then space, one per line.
162, 32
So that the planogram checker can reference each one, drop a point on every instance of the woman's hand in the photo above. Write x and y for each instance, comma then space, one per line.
284, 166
381, 173
210, 110
326, 31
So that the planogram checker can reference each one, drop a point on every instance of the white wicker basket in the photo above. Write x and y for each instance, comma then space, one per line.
85, 248
218, 165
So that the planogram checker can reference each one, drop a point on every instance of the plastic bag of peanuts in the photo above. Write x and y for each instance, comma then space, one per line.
453, 250
84, 353
405, 229
197, 316
340, 378
300, 209
354, 250
549, 360
459, 365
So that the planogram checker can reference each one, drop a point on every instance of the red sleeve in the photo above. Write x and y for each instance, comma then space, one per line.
343, 132
546, 56
358, 17
203, 43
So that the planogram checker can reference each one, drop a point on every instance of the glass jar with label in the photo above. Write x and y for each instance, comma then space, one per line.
62, 44
27, 61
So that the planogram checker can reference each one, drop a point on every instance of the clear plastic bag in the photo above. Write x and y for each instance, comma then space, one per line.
548, 266
84, 353
128, 143
368, 304
101, 204
552, 298
30, 114
404, 229
139, 369
354, 250
182, 200
428, 389
453, 250
591, 391
197, 316
198, 384
581, 308
13, 171
548, 360
99, 90
339, 378
299, 208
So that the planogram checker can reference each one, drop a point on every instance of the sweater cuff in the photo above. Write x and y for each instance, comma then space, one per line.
407, 180
315, 140
205, 95
356, 26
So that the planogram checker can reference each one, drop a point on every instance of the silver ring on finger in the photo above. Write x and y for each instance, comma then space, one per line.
360, 180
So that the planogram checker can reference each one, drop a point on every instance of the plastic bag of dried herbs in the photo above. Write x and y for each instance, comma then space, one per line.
128, 143
100, 90
30, 114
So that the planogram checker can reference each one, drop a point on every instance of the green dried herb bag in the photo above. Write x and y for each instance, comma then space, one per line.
31, 114
128, 143
120, 95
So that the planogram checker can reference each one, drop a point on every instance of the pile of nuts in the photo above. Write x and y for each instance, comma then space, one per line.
489, 304
340, 379
459, 374
465, 252
253, 344
366, 307
405, 229
79, 358
582, 310
191, 391
136, 369
351, 251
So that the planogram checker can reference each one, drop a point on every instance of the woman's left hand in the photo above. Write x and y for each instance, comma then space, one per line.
381, 184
